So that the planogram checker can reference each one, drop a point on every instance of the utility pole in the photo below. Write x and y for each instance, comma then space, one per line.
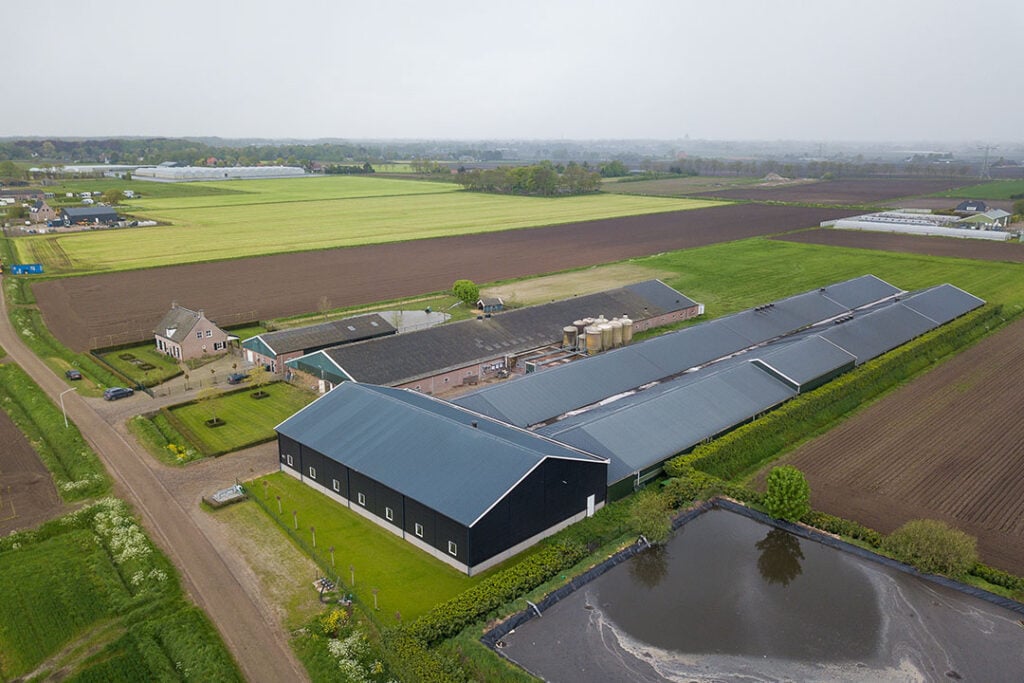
985, 175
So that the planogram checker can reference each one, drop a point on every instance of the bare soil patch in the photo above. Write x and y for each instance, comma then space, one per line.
102, 310
948, 446
868, 191
27, 494
956, 247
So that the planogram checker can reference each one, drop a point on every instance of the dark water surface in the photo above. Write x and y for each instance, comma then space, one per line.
731, 599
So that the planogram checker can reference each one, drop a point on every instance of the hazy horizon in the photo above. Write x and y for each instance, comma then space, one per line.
566, 70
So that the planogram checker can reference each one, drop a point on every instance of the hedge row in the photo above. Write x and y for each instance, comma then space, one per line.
449, 618
411, 660
735, 453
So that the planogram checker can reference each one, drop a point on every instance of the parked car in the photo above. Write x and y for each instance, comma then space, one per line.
237, 377
72, 374
114, 393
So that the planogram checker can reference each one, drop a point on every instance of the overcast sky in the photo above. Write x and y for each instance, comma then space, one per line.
906, 70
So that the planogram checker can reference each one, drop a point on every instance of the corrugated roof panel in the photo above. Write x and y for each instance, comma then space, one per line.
860, 291
806, 359
874, 333
783, 317
943, 303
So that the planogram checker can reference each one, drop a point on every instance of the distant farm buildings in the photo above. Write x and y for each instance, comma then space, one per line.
177, 174
400, 457
89, 215
988, 225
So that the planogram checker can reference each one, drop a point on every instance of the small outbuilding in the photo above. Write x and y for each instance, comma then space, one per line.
971, 206
272, 349
469, 490
185, 334
490, 304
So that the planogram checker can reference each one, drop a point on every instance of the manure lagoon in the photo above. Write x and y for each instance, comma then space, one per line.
731, 599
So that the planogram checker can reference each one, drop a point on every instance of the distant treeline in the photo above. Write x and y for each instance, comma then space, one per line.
545, 180
340, 169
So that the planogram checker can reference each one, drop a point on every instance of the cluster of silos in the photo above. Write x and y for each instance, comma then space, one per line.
594, 335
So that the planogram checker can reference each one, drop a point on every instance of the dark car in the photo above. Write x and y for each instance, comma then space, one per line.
237, 377
114, 393
73, 374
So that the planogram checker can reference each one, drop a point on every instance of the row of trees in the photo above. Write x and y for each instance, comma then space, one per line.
342, 169
540, 179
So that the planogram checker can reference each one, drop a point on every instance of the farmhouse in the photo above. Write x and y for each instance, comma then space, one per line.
971, 206
185, 334
438, 359
272, 349
41, 212
89, 215
466, 489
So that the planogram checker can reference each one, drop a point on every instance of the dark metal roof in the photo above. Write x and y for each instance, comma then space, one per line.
643, 429
424, 448
943, 303
315, 337
88, 213
407, 357
803, 360
545, 395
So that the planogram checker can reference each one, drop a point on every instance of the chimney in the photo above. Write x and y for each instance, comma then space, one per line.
473, 424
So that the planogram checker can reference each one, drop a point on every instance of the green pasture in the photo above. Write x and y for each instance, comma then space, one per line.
997, 189
87, 597
298, 217
676, 187
408, 580
737, 275
142, 188
247, 421
143, 364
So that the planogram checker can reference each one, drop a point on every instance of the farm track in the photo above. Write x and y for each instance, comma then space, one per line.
102, 310
948, 446
955, 247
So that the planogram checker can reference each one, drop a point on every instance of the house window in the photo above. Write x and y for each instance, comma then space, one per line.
312, 472
453, 549
209, 333
362, 499
336, 485
419, 529
217, 346
290, 463
199, 334
390, 514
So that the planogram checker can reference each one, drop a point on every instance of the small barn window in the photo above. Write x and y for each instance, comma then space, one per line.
389, 513
362, 499
336, 484
312, 472
452, 548
418, 529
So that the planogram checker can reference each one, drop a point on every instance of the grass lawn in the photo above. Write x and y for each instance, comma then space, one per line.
247, 421
731, 277
143, 364
997, 189
408, 580
276, 216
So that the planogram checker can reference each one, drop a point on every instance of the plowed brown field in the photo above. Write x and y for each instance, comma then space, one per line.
843, 191
27, 494
956, 247
948, 446
101, 310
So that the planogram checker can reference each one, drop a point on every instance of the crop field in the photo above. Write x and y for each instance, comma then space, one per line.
948, 446
88, 597
247, 420
27, 493
270, 287
277, 216
854, 192
678, 187
997, 189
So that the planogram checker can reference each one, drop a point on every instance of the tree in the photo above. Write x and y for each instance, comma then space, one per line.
933, 546
112, 197
467, 291
1018, 207
259, 377
651, 516
788, 496
207, 397
614, 169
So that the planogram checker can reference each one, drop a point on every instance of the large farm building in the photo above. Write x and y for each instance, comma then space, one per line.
624, 413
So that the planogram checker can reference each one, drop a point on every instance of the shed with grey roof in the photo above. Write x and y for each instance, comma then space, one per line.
469, 490
274, 348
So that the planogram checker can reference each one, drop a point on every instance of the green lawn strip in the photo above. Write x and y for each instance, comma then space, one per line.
28, 323
408, 580
162, 440
243, 332
77, 471
131, 362
214, 233
91, 593
247, 421
997, 189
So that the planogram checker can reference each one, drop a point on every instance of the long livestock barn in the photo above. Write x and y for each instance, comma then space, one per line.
629, 409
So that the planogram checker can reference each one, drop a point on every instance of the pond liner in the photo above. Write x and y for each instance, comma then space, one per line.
493, 637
